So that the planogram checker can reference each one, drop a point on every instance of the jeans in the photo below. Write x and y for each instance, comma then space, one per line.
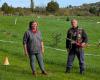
39, 58
80, 55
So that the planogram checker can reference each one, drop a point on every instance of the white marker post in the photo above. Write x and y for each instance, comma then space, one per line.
15, 21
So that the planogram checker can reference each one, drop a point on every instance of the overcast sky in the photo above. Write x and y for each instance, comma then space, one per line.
62, 3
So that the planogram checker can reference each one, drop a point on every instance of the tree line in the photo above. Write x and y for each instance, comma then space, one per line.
53, 8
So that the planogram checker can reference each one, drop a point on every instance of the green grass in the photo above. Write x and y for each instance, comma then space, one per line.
55, 61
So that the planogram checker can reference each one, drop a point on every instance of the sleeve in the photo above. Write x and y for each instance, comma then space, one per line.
25, 38
84, 36
67, 41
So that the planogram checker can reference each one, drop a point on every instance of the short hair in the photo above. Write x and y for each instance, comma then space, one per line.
73, 20
30, 24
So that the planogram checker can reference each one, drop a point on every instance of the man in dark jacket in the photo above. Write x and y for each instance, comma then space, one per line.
75, 42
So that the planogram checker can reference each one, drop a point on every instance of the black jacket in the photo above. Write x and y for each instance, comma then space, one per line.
72, 34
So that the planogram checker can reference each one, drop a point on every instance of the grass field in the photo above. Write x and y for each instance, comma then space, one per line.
55, 61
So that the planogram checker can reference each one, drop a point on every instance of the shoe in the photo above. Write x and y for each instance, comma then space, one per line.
44, 72
82, 72
34, 73
67, 71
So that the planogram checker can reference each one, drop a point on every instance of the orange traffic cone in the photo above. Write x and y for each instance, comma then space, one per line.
6, 61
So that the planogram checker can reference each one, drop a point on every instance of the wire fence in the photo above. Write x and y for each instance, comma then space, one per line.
52, 48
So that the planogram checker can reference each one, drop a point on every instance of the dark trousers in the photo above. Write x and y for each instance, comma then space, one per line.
80, 55
39, 58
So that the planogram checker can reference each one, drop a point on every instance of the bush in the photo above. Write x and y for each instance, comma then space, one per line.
67, 19
56, 38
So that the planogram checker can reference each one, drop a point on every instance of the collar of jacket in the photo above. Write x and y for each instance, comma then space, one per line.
75, 28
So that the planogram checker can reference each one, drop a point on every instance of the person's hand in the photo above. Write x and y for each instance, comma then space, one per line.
83, 45
42, 45
25, 50
26, 53
42, 50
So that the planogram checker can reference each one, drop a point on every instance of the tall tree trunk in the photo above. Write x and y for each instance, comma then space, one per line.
32, 5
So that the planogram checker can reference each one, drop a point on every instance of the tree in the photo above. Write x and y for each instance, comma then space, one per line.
70, 6
52, 7
32, 6
56, 37
20, 11
98, 12
93, 10
5, 7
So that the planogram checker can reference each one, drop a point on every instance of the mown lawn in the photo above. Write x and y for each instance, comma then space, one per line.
55, 61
